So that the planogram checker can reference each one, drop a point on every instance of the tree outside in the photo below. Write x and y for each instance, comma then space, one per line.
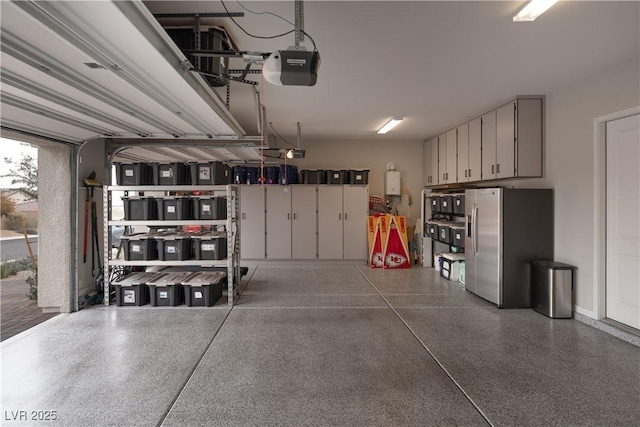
24, 173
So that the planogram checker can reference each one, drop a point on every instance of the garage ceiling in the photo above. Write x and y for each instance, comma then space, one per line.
434, 63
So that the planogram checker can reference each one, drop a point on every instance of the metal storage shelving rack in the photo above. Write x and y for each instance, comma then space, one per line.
450, 220
232, 227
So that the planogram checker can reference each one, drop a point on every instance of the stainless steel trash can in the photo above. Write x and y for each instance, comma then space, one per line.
552, 285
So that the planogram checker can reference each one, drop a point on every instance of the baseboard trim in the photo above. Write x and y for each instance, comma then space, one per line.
609, 328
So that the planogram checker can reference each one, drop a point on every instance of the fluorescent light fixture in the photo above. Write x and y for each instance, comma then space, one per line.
389, 125
532, 10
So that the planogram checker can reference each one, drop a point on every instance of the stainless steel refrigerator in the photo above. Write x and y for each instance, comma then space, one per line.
506, 230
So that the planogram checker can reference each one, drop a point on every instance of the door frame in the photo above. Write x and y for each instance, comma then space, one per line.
600, 210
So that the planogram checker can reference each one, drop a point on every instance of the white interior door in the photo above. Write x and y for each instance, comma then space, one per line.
623, 220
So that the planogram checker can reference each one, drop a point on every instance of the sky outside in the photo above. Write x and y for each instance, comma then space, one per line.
14, 150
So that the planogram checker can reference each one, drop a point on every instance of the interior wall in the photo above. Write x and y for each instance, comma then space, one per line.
91, 159
569, 160
373, 155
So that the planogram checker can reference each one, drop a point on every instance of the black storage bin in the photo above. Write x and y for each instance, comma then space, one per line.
288, 174
444, 234
253, 175
239, 175
139, 208
203, 289
431, 230
337, 177
435, 203
271, 174
209, 173
139, 247
131, 290
171, 174
457, 236
209, 207
458, 204
174, 246
359, 176
175, 208
314, 176
446, 204
166, 289
134, 174
210, 246
228, 175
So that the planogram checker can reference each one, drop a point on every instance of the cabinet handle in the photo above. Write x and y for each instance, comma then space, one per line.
498, 168
345, 216
244, 215
288, 216
493, 169
295, 215
340, 216
443, 176
469, 173
465, 173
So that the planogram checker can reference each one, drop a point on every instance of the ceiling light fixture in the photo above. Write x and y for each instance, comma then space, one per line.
532, 10
389, 125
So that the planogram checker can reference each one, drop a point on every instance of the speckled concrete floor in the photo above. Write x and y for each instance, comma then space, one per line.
322, 344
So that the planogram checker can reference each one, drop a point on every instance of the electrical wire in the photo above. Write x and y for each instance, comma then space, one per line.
265, 37
280, 136
277, 16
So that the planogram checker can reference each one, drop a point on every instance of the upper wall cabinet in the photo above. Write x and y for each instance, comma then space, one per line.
506, 142
430, 162
518, 141
475, 150
488, 133
435, 174
447, 155
427, 172
469, 151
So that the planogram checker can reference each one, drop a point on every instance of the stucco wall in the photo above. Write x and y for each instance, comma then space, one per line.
54, 245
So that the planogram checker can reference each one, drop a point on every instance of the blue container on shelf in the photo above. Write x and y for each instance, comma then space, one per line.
288, 174
271, 174
253, 175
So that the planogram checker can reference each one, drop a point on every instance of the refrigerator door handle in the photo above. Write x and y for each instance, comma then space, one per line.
474, 229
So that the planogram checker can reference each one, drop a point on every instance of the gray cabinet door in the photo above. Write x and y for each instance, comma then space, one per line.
442, 158
505, 140
463, 153
252, 222
489, 145
529, 137
475, 149
435, 175
356, 210
452, 157
303, 225
330, 220
279, 222
426, 163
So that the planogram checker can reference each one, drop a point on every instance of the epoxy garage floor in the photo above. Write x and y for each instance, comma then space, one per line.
322, 344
